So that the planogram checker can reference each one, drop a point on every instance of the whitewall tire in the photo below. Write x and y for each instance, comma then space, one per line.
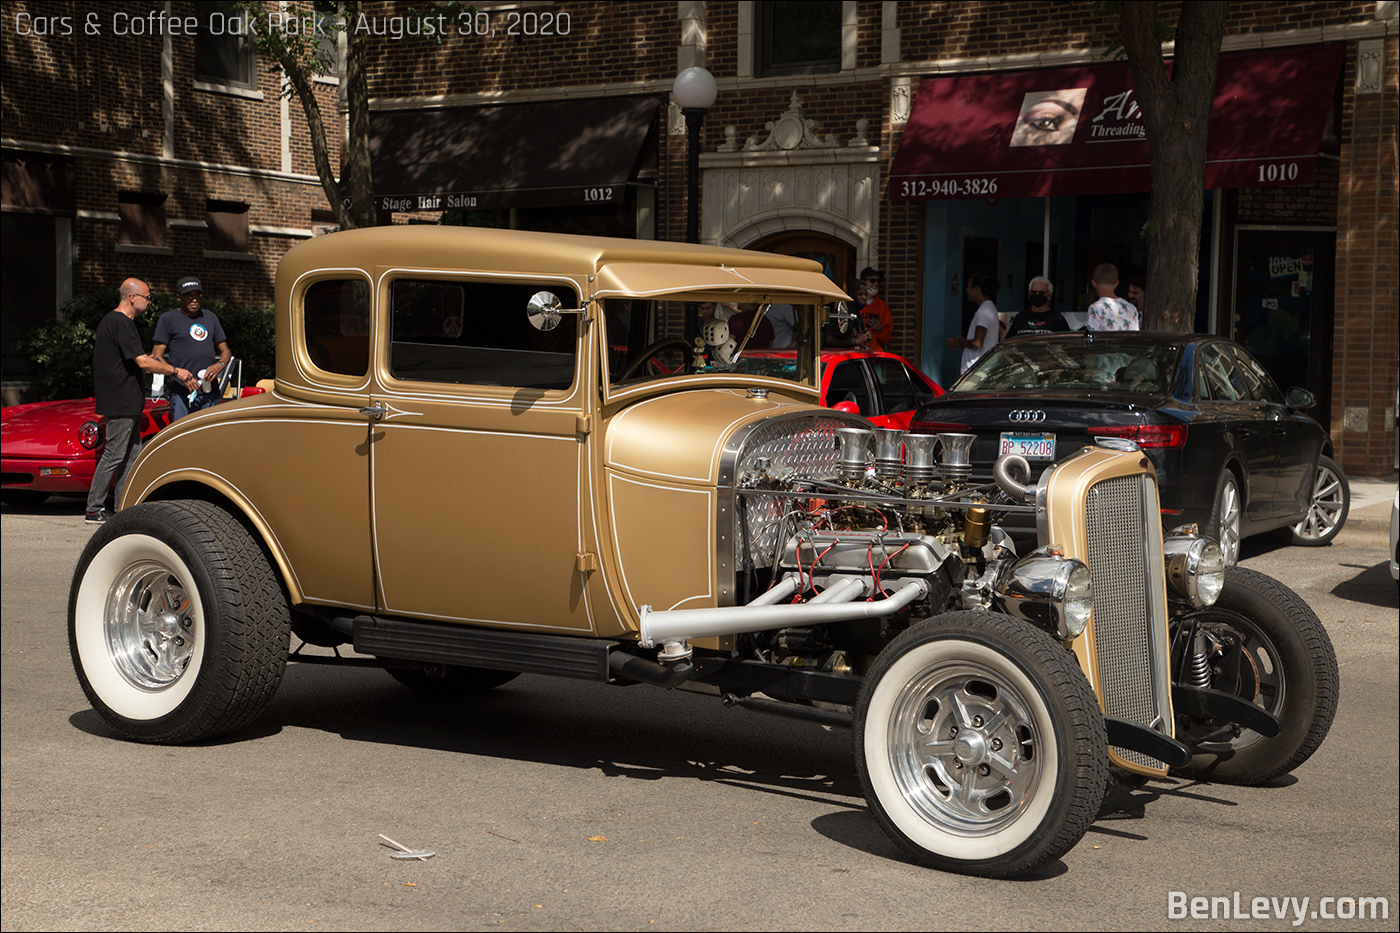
178, 626
980, 745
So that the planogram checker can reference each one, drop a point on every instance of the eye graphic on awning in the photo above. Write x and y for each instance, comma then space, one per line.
1048, 118
1080, 130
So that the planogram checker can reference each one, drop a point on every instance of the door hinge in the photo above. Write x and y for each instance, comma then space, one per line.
583, 424
585, 562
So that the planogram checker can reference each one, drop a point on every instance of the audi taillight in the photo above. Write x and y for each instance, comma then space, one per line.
1147, 435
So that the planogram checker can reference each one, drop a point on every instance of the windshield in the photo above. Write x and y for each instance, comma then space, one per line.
1104, 365
647, 340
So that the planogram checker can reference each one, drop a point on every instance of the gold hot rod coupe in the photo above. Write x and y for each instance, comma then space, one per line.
631, 499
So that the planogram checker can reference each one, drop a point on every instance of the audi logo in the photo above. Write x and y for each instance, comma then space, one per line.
1027, 415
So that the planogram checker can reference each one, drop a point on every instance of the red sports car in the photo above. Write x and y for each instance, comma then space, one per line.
883, 387
53, 447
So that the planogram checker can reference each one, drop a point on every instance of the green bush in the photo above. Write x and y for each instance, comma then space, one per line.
63, 349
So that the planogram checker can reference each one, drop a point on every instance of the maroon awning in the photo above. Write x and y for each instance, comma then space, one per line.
1079, 131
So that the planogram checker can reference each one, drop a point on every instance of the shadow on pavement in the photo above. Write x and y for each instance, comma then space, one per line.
1372, 586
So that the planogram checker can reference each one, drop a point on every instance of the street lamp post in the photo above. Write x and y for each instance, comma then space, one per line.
695, 91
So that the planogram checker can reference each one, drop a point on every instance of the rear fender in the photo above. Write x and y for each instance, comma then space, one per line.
208, 487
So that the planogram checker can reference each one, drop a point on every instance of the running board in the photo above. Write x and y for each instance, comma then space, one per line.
437, 643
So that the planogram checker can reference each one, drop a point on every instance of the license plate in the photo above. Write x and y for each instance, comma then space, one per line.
1030, 446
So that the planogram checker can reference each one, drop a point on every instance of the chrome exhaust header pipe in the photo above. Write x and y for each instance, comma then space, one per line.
676, 625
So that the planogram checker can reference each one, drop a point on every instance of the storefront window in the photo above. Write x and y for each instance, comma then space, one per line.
1005, 238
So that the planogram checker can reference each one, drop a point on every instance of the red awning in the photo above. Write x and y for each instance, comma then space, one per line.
1079, 130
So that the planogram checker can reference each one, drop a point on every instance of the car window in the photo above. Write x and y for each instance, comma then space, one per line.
1258, 386
477, 333
893, 384
1104, 365
335, 318
626, 320
646, 341
1216, 379
848, 385
1200, 385
922, 393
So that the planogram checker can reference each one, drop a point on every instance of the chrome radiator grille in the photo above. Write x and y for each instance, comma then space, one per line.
1126, 564
805, 447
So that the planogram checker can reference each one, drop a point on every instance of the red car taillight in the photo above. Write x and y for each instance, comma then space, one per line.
1147, 435
937, 427
90, 434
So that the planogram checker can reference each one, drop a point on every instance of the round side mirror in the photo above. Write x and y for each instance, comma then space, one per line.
543, 311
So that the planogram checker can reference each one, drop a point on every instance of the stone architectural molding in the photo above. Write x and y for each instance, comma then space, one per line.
795, 180
1370, 66
901, 101
792, 130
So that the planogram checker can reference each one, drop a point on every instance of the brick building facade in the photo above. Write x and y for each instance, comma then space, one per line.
121, 148
796, 160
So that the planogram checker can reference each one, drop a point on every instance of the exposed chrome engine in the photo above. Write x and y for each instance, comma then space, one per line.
840, 523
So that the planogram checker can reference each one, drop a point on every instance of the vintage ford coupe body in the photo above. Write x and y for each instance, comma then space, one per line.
489, 452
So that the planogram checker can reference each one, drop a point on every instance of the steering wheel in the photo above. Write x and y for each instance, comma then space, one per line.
653, 351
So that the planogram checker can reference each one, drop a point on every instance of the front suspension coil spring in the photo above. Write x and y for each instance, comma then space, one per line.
1196, 669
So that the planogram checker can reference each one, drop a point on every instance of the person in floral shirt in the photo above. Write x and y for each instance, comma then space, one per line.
1111, 312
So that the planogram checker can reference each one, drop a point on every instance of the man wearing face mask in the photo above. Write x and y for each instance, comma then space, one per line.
1039, 318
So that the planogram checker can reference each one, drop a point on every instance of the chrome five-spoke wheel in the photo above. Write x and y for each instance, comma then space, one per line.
965, 749
1228, 518
150, 625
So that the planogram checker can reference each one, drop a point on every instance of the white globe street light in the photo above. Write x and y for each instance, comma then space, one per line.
695, 89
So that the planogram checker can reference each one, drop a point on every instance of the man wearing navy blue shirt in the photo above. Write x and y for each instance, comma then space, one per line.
193, 339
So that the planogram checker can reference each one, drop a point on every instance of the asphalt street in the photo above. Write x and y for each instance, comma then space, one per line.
554, 804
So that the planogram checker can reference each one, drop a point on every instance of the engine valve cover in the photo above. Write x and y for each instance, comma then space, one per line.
821, 554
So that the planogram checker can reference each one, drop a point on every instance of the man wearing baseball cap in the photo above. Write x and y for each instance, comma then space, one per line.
193, 339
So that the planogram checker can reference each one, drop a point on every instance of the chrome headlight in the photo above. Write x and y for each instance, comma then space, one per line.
1195, 566
1049, 590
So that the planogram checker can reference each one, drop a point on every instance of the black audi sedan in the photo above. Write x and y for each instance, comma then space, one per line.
1233, 453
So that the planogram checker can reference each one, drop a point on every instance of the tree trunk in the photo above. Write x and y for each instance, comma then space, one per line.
355, 183
320, 151
357, 179
1176, 117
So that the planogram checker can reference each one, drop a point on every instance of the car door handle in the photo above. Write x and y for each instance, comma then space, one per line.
375, 411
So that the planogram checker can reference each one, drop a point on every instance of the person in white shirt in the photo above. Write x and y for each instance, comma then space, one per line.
985, 329
1111, 312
